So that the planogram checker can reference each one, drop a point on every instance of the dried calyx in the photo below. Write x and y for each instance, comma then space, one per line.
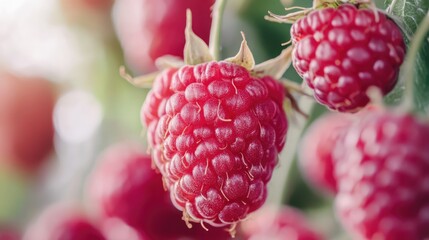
196, 51
317, 4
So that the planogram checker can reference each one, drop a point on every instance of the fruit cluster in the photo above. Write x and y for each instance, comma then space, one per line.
215, 130
214, 133
375, 168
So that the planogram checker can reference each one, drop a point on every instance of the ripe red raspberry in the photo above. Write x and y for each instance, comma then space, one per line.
381, 170
341, 52
124, 186
216, 138
63, 222
278, 224
315, 151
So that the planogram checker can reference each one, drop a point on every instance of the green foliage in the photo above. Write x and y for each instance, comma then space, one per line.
13, 192
409, 14
271, 35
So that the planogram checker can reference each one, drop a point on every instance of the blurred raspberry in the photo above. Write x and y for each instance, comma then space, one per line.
123, 186
383, 185
315, 150
278, 224
26, 125
9, 234
149, 29
116, 229
62, 222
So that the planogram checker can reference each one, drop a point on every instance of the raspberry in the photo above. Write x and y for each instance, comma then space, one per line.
62, 222
149, 29
154, 106
315, 152
216, 138
381, 170
26, 125
283, 223
341, 52
124, 186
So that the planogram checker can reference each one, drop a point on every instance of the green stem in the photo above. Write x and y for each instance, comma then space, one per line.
215, 32
290, 181
407, 74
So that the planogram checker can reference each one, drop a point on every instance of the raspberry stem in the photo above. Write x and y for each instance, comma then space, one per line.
215, 31
283, 176
408, 70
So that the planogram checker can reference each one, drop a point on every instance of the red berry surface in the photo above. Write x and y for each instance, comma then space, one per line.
26, 126
315, 151
215, 133
278, 224
124, 186
148, 29
382, 174
63, 222
341, 52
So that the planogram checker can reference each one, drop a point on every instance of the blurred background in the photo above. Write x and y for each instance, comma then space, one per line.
62, 99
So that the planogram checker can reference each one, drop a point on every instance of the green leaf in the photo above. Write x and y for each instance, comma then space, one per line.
410, 13
14, 189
